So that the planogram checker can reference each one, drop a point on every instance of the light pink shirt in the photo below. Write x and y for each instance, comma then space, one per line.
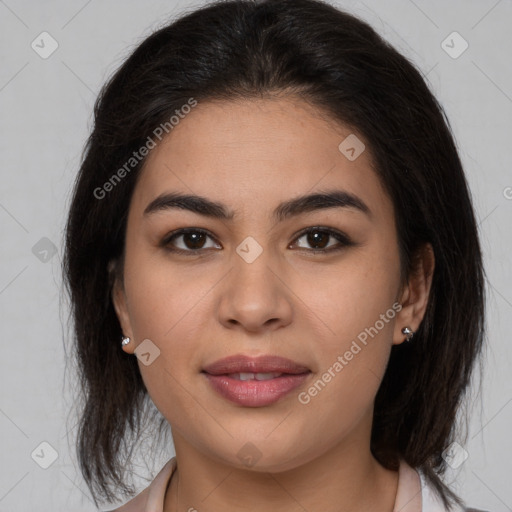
414, 494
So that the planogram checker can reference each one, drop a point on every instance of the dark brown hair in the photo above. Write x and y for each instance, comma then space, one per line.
243, 49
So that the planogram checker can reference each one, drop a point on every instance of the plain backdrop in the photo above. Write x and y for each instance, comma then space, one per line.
46, 113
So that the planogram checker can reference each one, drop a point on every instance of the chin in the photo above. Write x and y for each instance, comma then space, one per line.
261, 454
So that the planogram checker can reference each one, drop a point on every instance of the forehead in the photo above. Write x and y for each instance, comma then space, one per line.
258, 152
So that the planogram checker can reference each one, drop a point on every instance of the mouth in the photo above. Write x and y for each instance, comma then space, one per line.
255, 376
255, 381
262, 365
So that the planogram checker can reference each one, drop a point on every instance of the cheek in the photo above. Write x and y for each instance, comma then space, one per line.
166, 308
354, 320
349, 298
163, 295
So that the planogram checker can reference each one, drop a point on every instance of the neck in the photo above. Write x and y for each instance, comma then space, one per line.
345, 477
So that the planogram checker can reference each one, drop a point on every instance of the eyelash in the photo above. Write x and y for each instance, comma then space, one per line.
343, 239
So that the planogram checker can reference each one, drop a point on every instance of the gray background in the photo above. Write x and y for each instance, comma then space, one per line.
46, 113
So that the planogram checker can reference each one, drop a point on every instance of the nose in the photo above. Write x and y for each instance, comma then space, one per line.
255, 296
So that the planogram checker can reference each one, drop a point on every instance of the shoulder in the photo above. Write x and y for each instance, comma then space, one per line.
431, 502
152, 497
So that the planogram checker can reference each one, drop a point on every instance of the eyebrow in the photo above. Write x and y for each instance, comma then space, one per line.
290, 208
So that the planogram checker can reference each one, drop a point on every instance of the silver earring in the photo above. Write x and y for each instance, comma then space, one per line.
125, 341
408, 333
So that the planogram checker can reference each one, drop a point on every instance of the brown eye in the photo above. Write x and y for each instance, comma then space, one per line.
319, 239
194, 240
187, 240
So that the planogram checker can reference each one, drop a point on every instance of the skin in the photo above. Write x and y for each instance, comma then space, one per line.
198, 307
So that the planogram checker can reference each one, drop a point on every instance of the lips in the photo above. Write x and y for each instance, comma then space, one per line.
240, 364
255, 381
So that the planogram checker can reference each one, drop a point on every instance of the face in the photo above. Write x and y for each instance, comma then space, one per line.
259, 273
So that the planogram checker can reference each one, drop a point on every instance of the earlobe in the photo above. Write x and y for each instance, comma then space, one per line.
120, 305
415, 293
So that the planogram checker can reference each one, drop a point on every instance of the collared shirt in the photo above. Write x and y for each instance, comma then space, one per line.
414, 493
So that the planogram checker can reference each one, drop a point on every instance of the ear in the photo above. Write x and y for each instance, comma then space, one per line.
121, 307
415, 293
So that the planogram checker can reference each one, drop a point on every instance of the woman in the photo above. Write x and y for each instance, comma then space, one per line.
272, 240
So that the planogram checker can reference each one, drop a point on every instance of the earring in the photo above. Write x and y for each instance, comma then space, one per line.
125, 341
408, 333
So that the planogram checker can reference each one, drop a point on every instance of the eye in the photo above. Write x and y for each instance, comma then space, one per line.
193, 240
319, 238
